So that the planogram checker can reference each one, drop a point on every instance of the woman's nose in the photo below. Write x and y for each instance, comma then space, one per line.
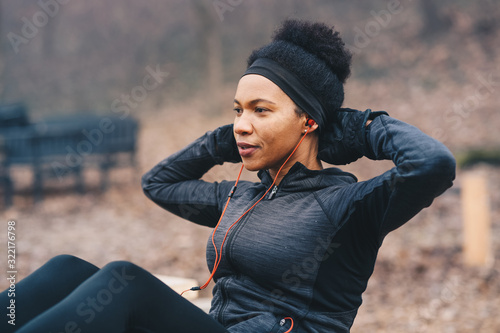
243, 125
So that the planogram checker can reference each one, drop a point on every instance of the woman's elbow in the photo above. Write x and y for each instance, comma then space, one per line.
446, 165
147, 183
442, 170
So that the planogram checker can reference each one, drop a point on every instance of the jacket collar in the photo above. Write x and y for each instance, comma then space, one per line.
300, 178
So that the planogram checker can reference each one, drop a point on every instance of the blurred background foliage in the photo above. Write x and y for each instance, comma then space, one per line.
91, 52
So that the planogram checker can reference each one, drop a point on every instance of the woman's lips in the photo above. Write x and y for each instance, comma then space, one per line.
246, 149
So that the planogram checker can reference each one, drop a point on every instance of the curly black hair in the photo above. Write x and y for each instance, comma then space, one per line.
320, 40
316, 54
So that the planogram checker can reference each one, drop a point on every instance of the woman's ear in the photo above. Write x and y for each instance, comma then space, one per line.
310, 124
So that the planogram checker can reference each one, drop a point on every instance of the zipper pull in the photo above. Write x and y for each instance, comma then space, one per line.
273, 192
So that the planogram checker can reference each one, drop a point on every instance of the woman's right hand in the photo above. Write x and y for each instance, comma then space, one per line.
225, 144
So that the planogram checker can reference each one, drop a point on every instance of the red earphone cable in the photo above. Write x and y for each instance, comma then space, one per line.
218, 254
290, 329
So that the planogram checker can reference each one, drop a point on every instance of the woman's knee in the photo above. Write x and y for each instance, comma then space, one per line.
66, 261
124, 271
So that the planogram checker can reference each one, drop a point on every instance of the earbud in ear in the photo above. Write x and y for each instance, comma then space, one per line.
310, 122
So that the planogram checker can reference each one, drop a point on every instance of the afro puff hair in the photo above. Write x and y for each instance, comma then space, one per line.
316, 55
319, 40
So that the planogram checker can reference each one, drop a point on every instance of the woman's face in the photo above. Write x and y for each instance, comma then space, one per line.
266, 126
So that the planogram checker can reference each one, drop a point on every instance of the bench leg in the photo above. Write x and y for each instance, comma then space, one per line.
37, 182
79, 182
105, 165
7, 186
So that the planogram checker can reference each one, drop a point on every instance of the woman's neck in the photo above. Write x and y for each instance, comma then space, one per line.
284, 171
307, 154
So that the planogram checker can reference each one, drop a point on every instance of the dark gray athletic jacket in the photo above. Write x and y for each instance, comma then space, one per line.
308, 249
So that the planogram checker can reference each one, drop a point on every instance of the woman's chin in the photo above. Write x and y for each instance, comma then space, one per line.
252, 166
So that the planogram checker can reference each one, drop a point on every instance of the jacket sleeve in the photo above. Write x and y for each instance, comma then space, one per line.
175, 185
424, 169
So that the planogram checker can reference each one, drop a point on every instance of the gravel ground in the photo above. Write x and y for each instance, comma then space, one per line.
420, 283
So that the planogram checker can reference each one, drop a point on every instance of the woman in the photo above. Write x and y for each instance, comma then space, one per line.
291, 253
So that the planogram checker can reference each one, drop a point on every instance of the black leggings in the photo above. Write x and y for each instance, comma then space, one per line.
68, 294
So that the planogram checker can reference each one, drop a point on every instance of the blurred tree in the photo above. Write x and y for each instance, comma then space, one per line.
49, 38
434, 20
210, 46
486, 25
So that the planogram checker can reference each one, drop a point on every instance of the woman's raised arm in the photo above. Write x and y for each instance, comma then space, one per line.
424, 168
175, 185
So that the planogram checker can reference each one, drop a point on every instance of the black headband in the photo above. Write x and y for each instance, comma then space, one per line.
291, 85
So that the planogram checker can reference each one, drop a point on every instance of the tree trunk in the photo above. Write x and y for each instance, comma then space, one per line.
435, 22
210, 47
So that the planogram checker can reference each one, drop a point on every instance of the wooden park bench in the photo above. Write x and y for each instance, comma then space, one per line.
61, 146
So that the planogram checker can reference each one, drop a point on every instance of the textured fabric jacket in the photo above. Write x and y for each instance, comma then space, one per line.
308, 249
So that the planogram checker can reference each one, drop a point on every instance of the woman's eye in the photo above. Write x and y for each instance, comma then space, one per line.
237, 110
260, 110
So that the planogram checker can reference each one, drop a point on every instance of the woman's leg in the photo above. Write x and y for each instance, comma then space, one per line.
45, 287
123, 297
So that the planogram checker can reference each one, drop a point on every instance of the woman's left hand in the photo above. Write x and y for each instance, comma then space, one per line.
344, 140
